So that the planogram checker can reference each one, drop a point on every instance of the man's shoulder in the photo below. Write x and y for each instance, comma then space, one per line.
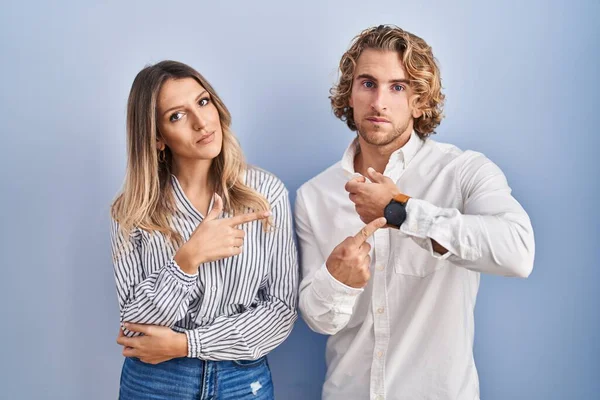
441, 148
447, 153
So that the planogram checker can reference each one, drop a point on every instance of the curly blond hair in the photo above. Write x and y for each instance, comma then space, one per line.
419, 63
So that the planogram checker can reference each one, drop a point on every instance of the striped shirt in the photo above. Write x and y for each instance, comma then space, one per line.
239, 307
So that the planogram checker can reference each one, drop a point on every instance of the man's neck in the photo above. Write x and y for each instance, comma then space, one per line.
376, 156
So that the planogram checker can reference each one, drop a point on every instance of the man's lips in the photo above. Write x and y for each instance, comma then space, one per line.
377, 119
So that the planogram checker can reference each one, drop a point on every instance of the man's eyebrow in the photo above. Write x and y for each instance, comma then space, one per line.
366, 76
372, 78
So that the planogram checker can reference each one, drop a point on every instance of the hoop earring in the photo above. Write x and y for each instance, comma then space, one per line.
162, 157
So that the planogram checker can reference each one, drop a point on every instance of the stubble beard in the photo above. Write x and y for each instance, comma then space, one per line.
374, 136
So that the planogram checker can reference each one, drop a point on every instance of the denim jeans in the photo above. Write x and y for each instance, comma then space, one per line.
190, 378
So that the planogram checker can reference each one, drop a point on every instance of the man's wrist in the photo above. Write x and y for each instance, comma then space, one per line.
395, 210
401, 198
394, 193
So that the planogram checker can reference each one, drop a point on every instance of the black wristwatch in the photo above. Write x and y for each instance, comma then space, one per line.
395, 211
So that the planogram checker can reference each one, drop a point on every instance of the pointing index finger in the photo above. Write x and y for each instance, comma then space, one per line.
248, 217
368, 230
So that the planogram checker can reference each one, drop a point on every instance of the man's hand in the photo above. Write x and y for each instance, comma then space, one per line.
349, 262
156, 345
370, 199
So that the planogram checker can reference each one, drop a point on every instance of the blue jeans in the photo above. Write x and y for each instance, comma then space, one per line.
191, 378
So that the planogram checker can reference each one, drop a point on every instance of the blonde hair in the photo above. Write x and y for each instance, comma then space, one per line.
419, 63
146, 200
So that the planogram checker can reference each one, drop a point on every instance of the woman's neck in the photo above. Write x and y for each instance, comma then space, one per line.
196, 182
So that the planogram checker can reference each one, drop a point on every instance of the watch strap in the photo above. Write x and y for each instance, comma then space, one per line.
401, 198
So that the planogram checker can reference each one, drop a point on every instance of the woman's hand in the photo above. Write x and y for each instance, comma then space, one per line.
215, 238
157, 344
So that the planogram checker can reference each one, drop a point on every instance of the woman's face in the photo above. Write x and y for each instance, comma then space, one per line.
188, 121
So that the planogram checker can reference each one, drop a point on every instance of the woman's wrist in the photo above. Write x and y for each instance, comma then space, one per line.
180, 345
184, 258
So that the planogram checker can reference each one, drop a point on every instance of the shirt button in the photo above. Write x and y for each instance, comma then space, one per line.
213, 289
380, 354
380, 310
379, 397
380, 268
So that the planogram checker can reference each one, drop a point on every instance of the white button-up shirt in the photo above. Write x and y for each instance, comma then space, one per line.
409, 333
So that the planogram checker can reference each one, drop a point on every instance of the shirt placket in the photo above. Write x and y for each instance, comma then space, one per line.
211, 295
379, 301
379, 308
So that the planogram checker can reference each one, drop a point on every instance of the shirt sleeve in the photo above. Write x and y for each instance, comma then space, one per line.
266, 324
155, 292
492, 234
326, 304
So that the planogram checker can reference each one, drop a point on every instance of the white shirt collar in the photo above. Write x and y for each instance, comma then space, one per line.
404, 154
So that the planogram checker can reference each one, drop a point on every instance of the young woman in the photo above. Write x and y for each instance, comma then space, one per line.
203, 250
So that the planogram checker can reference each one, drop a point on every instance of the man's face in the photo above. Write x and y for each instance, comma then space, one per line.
382, 100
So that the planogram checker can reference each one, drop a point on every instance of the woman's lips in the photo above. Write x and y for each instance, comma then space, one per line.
207, 138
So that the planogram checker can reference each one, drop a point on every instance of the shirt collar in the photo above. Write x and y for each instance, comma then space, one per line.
404, 154
183, 204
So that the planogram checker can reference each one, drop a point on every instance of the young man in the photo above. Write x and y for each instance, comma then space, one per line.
398, 299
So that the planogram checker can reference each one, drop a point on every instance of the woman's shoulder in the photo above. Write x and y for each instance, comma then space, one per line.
265, 183
133, 234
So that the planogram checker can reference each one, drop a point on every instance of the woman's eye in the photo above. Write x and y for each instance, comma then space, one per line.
204, 101
398, 88
368, 84
175, 117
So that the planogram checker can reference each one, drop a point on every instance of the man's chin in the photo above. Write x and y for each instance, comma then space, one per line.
377, 138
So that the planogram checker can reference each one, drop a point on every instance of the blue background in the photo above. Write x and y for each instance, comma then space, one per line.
521, 80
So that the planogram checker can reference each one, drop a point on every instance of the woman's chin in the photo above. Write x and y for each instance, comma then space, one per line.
209, 152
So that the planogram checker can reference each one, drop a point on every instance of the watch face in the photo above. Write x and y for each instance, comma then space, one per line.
395, 213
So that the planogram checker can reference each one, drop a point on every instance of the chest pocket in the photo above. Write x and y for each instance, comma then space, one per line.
408, 258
